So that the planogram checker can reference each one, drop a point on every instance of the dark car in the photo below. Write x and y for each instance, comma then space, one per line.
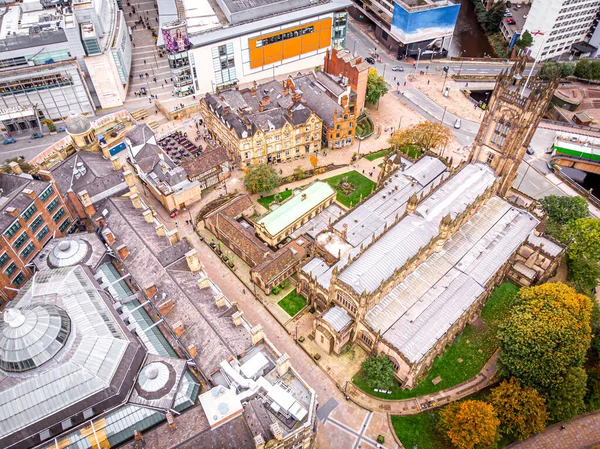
7, 141
370, 60
37, 135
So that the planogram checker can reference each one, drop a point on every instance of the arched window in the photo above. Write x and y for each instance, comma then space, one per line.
500, 132
395, 363
366, 339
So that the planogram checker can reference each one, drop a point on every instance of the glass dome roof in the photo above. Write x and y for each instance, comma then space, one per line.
154, 376
68, 252
31, 336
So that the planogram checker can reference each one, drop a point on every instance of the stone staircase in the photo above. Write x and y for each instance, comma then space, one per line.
140, 114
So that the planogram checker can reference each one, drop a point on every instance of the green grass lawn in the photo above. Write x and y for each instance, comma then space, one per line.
269, 199
421, 431
412, 151
377, 155
292, 303
363, 186
480, 335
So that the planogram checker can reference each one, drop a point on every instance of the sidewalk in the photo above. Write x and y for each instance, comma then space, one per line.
582, 432
411, 406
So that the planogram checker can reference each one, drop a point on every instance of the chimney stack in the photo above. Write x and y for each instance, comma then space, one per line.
136, 200
257, 335
173, 236
116, 163
87, 202
123, 252
15, 167
192, 260
237, 318
128, 175
148, 216
283, 364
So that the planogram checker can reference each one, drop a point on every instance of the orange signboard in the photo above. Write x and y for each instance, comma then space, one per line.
288, 43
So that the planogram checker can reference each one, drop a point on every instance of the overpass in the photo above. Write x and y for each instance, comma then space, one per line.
576, 153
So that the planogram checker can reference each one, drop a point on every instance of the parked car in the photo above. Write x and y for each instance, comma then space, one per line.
370, 60
457, 123
62, 129
530, 150
397, 69
525, 16
37, 135
7, 141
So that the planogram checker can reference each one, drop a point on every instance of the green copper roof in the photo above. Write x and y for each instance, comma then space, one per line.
296, 207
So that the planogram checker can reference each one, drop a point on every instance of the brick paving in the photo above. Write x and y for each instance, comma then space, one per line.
582, 432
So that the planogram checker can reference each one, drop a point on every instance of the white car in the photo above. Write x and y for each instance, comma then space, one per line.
457, 123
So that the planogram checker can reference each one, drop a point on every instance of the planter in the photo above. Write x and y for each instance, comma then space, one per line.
380, 439
301, 339
317, 356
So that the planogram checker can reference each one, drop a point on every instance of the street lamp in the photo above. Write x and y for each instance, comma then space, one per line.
462, 60
418, 59
444, 114
384, 66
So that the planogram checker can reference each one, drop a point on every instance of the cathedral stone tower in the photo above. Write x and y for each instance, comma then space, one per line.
511, 118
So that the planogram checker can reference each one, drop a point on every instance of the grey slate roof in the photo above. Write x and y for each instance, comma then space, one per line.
316, 98
140, 134
547, 245
419, 310
213, 332
338, 318
100, 179
12, 195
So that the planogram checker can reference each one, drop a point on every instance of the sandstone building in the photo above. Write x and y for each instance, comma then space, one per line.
403, 272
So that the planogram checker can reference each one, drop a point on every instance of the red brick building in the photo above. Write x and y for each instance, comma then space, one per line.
31, 213
351, 71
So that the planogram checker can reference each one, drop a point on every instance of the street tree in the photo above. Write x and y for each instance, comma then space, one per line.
376, 87
525, 40
549, 70
424, 136
379, 371
547, 332
314, 161
583, 274
299, 172
567, 399
561, 210
567, 69
261, 178
469, 424
583, 69
521, 410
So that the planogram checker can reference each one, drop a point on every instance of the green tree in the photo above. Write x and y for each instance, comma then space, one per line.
376, 87
595, 325
469, 423
595, 70
379, 371
584, 235
493, 17
567, 69
525, 40
424, 136
521, 410
261, 178
561, 210
566, 400
583, 69
583, 274
25, 166
547, 333
549, 70
299, 172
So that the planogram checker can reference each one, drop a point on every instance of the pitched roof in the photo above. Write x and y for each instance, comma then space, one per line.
204, 162
140, 134
11, 195
280, 261
242, 239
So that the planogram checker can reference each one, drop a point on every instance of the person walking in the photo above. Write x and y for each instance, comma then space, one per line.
144, 62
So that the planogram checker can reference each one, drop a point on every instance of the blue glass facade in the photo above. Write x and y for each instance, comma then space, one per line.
425, 24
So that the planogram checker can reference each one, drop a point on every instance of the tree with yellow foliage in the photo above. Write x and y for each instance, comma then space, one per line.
469, 423
547, 333
424, 136
314, 160
521, 410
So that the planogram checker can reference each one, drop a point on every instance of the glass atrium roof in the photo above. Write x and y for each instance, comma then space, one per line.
31, 336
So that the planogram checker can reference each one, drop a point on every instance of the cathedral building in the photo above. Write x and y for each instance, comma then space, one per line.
402, 273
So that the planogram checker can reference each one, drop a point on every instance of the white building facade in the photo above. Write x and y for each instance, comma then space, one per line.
284, 43
557, 24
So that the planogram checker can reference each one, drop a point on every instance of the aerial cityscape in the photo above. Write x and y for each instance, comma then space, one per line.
328, 224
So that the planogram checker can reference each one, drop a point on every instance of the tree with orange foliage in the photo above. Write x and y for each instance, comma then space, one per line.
469, 423
314, 160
